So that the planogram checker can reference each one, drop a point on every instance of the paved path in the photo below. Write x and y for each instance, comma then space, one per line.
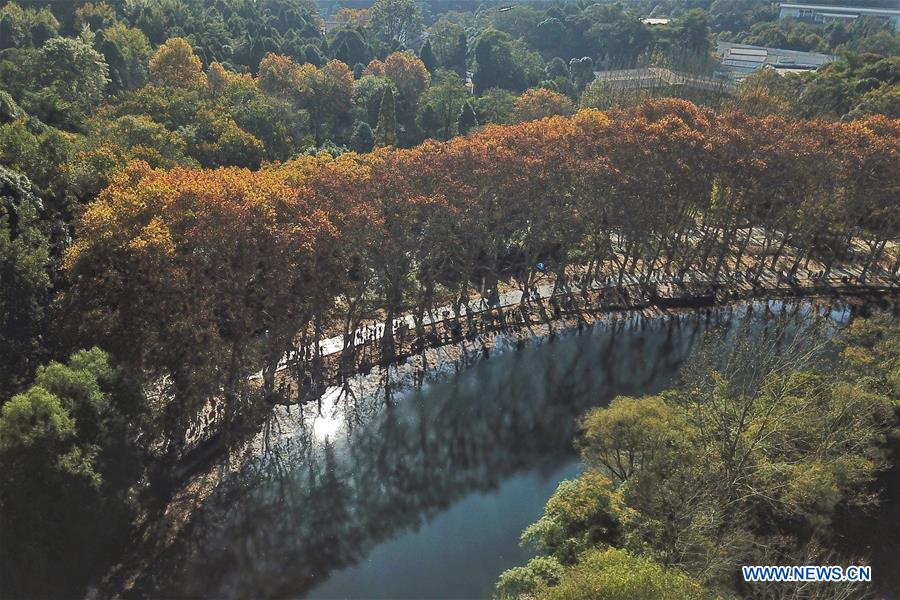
368, 336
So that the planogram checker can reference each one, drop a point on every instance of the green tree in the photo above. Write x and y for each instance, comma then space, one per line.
449, 42
524, 582
25, 278
363, 138
631, 434
467, 119
66, 455
582, 70
495, 65
618, 575
368, 91
127, 51
72, 71
495, 106
386, 132
429, 121
427, 57
581, 514
557, 68
350, 47
397, 20
445, 98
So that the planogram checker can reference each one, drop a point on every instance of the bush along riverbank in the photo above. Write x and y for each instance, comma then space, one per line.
749, 459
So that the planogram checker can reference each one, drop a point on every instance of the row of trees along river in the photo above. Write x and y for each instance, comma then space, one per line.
199, 278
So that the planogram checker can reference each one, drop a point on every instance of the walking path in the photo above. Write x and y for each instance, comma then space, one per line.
445, 325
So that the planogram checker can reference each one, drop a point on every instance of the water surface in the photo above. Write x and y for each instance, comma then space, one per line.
423, 493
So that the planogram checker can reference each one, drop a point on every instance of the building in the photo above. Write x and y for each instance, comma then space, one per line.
818, 13
739, 60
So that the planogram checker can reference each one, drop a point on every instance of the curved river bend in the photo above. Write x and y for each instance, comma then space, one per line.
424, 494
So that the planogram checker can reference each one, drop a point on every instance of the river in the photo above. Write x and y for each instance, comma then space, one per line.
423, 493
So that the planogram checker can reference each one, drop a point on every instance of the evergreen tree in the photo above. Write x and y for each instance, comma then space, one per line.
313, 55
467, 119
429, 120
582, 71
457, 60
363, 138
386, 131
557, 68
495, 63
428, 57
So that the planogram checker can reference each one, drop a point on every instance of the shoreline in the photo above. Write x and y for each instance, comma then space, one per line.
196, 482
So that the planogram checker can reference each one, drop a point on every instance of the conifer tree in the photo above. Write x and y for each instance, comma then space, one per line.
363, 139
386, 131
427, 56
467, 119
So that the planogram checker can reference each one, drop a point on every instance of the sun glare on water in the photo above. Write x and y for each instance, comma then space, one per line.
325, 428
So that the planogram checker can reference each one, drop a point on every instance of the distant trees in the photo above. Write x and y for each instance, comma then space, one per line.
411, 79
467, 119
363, 138
127, 52
495, 106
495, 65
24, 27
427, 56
449, 41
397, 21
445, 99
324, 93
69, 71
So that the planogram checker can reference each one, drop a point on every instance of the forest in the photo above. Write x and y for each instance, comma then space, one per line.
190, 190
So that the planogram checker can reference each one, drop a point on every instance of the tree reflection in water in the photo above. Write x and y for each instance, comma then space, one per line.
339, 479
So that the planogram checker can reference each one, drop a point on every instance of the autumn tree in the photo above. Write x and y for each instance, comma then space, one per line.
326, 93
175, 65
279, 76
252, 251
539, 103
411, 79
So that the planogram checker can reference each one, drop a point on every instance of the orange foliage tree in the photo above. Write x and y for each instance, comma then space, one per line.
538, 103
207, 276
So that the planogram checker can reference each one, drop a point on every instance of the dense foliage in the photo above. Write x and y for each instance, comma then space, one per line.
204, 276
190, 183
746, 461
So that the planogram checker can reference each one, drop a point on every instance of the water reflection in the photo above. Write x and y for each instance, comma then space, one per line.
364, 473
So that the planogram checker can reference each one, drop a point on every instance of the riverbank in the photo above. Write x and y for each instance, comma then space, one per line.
234, 451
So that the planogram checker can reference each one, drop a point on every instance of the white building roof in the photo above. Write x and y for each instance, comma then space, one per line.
835, 10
